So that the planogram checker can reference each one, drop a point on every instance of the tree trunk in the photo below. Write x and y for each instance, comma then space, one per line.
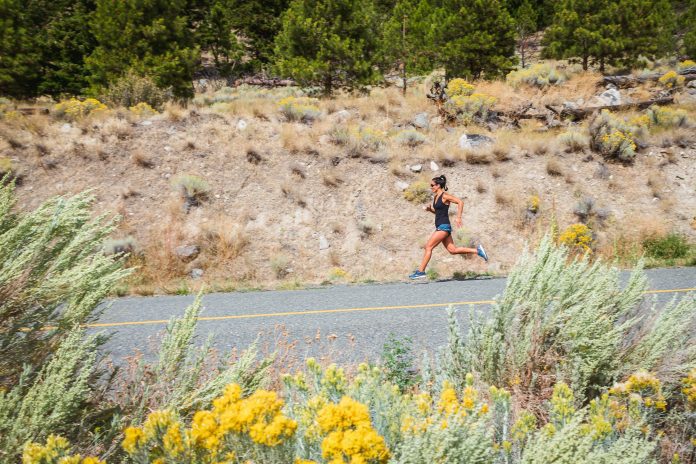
584, 62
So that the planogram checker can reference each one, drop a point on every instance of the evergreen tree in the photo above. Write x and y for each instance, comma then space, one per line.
151, 37
543, 9
258, 21
474, 37
217, 36
405, 37
18, 51
689, 21
609, 31
331, 43
526, 22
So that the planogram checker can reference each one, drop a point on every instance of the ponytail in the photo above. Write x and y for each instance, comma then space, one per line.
441, 181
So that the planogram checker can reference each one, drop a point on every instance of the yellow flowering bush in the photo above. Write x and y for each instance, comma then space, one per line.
662, 116
469, 108
643, 388
55, 451
686, 64
538, 75
143, 110
689, 389
75, 109
235, 428
578, 237
671, 79
533, 203
614, 137
417, 192
301, 109
459, 87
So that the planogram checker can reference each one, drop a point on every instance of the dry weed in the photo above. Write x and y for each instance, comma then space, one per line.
482, 156
224, 239
554, 167
140, 159
656, 182
298, 170
503, 196
481, 187
116, 127
331, 178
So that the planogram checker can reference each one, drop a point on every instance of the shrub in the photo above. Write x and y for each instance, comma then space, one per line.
56, 450
279, 265
301, 109
132, 89
410, 137
577, 237
192, 188
670, 246
459, 87
125, 245
554, 167
143, 110
538, 75
417, 192
533, 203
686, 64
613, 137
573, 141
6, 166
75, 109
468, 109
661, 116
398, 362
671, 80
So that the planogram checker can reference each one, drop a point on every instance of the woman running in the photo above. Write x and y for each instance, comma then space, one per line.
443, 228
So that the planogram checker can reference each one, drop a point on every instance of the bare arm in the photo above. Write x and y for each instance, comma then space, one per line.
460, 207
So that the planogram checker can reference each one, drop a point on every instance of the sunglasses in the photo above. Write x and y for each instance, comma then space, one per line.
433, 185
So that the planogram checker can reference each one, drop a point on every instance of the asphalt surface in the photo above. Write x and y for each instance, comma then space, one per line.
344, 323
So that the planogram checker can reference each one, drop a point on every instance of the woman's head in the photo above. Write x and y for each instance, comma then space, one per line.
438, 182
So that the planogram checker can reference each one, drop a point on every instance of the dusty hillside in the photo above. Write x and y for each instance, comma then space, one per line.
292, 203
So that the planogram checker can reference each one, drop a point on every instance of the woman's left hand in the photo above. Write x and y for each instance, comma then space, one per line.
458, 221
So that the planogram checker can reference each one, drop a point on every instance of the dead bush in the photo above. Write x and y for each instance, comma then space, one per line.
554, 167
139, 158
478, 157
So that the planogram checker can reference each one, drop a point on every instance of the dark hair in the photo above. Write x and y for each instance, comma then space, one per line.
441, 181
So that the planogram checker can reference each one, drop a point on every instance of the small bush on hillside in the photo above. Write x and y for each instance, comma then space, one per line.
132, 89
417, 192
459, 87
577, 237
671, 246
74, 109
468, 109
686, 64
671, 80
613, 137
662, 116
573, 141
398, 362
143, 110
119, 246
6, 166
299, 109
192, 188
410, 137
538, 75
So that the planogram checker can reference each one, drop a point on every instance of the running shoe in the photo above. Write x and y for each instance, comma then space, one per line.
482, 252
417, 275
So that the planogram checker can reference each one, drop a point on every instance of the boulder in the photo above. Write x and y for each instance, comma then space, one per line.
416, 168
421, 121
341, 116
401, 185
241, 125
473, 140
434, 166
187, 252
323, 243
196, 273
611, 96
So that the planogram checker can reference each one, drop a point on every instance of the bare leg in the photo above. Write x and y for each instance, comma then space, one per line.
433, 241
455, 250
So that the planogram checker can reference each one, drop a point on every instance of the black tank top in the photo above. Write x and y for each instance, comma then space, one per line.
441, 211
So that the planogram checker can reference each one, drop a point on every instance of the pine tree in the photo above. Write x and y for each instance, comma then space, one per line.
18, 51
331, 43
151, 37
689, 22
217, 36
609, 31
543, 9
259, 22
526, 25
405, 38
474, 37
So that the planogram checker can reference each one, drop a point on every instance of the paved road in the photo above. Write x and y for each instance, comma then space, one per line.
346, 323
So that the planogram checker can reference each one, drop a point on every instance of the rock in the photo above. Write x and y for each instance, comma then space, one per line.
421, 121
401, 185
147, 122
323, 243
187, 252
241, 125
341, 116
436, 121
434, 166
167, 148
416, 168
65, 128
473, 140
691, 85
611, 96
196, 273
569, 105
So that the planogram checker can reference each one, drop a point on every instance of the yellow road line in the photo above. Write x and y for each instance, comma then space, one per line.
338, 310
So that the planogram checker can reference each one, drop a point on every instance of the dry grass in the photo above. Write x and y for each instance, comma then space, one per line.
580, 86
140, 159
656, 182
503, 196
481, 156
331, 178
554, 167
481, 187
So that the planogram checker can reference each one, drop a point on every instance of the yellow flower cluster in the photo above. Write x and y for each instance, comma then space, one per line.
616, 140
671, 79
661, 116
686, 64
689, 389
349, 434
606, 416
577, 236
459, 87
643, 388
466, 108
533, 203
75, 109
56, 450
562, 403
523, 426
142, 109
302, 109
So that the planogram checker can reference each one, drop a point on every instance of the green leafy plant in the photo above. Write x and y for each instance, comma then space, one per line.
398, 362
